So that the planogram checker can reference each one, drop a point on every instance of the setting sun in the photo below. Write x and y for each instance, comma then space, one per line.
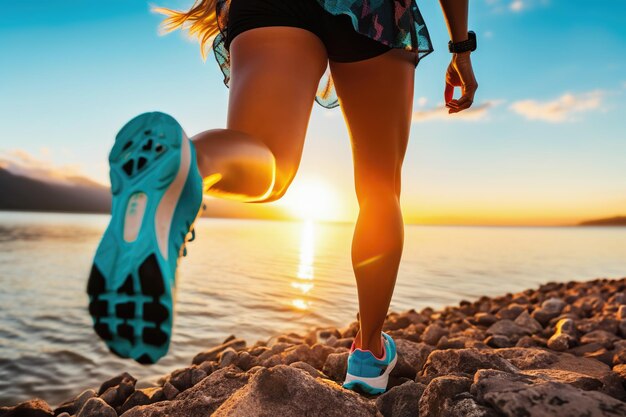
312, 200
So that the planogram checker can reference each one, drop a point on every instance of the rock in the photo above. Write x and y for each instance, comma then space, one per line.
452, 343
411, 358
554, 305
351, 330
584, 349
498, 341
344, 342
336, 365
313, 355
485, 319
528, 323
621, 312
564, 336
602, 355
601, 337
467, 406
619, 357
401, 400
143, 396
589, 304
211, 354
308, 369
115, 396
507, 328
575, 379
526, 341
72, 406
256, 351
181, 378
550, 309
328, 332
618, 298
226, 357
609, 324
510, 312
433, 333
620, 370
64, 414
288, 391
566, 326
292, 339
560, 342
200, 400
331, 341
31, 408
510, 393
396, 323
229, 338
274, 350
622, 328
464, 362
245, 361
197, 375
96, 407
440, 393
170, 391
121, 379
529, 359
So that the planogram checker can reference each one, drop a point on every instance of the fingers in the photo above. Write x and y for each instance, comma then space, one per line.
465, 101
448, 92
456, 106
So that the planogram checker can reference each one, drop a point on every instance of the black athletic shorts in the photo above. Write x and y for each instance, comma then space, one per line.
343, 43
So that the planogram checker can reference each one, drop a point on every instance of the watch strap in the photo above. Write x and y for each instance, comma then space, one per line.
463, 46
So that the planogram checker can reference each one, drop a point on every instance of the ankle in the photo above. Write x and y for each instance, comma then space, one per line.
375, 345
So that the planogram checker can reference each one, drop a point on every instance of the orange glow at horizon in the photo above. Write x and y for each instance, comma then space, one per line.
313, 200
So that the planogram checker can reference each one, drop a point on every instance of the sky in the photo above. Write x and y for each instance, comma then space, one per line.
544, 143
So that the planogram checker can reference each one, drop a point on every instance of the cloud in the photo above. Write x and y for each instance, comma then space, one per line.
560, 109
22, 163
475, 113
517, 5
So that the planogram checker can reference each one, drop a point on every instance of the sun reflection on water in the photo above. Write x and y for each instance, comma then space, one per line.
306, 272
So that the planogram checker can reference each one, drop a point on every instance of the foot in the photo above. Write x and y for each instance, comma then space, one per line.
157, 194
369, 373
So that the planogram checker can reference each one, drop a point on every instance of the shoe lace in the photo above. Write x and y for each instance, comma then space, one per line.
185, 236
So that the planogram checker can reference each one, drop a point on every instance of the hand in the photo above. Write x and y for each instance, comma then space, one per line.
460, 74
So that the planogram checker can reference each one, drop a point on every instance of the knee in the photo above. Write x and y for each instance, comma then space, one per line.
278, 190
373, 194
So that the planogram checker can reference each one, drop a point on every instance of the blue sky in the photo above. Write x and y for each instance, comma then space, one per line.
544, 143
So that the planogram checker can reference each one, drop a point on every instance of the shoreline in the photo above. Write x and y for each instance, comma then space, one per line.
559, 349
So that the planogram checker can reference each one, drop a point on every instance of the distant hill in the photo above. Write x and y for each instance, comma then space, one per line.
81, 195
611, 221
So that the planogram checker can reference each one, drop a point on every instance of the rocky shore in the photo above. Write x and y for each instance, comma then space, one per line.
559, 350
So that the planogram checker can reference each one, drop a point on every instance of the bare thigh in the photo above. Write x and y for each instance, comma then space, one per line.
275, 72
376, 97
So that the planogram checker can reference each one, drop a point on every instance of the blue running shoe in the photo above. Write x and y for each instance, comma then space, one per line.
157, 195
368, 372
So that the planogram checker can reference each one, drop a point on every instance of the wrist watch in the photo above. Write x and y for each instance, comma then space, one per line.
463, 46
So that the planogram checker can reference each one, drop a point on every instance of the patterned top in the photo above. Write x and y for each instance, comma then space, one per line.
399, 26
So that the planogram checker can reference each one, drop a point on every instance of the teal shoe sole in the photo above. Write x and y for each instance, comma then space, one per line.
360, 385
131, 286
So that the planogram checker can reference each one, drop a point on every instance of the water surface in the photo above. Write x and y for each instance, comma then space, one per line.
253, 279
